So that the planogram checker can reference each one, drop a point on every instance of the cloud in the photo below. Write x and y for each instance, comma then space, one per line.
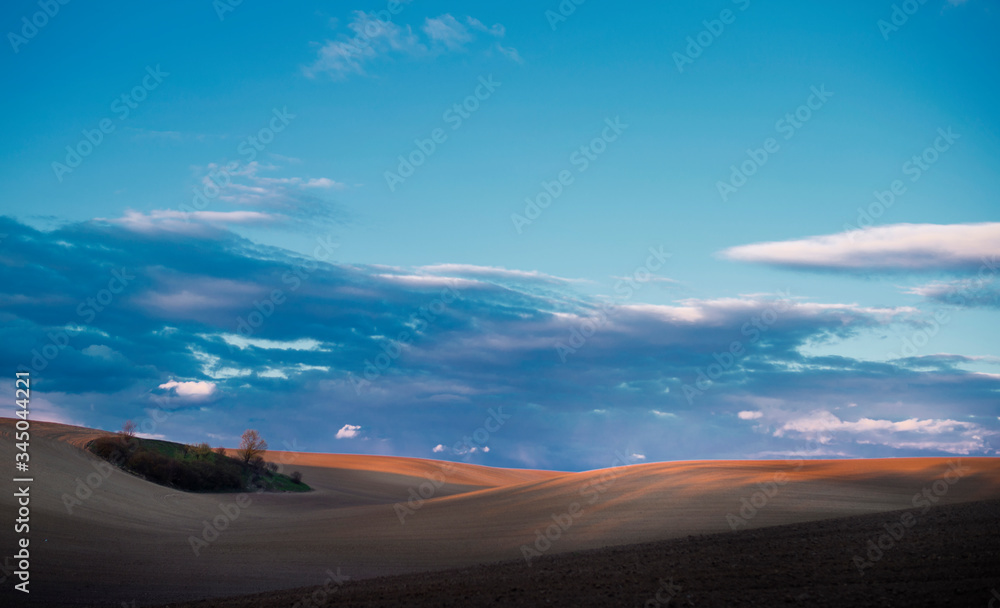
892, 248
283, 198
969, 293
660, 414
498, 30
438, 448
188, 222
510, 53
748, 415
371, 39
928, 434
322, 182
374, 40
435, 366
190, 389
448, 31
348, 431
493, 272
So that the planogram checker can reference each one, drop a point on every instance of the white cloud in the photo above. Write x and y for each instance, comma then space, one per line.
247, 184
748, 415
929, 434
373, 40
187, 222
448, 31
510, 53
497, 30
322, 182
438, 448
663, 414
304, 344
493, 271
422, 280
721, 311
349, 431
895, 247
190, 389
638, 456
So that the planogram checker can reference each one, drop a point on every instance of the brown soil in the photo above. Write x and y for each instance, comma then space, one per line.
949, 557
129, 540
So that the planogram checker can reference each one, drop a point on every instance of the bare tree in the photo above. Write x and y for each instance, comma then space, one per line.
251, 446
128, 430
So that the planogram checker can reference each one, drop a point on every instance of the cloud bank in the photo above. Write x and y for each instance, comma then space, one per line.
119, 323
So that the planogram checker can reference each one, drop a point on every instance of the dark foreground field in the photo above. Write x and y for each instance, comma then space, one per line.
104, 537
949, 556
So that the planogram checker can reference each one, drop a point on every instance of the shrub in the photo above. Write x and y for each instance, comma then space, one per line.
296, 477
191, 468
154, 467
257, 464
115, 450
202, 451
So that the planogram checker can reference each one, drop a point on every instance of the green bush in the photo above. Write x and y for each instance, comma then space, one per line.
190, 468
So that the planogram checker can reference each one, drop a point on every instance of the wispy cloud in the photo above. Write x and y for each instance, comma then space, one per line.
374, 40
186, 221
969, 293
447, 31
892, 248
493, 272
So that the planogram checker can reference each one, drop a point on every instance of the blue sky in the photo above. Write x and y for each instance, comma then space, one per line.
708, 175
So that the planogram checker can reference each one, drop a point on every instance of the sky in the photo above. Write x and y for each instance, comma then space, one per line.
536, 234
